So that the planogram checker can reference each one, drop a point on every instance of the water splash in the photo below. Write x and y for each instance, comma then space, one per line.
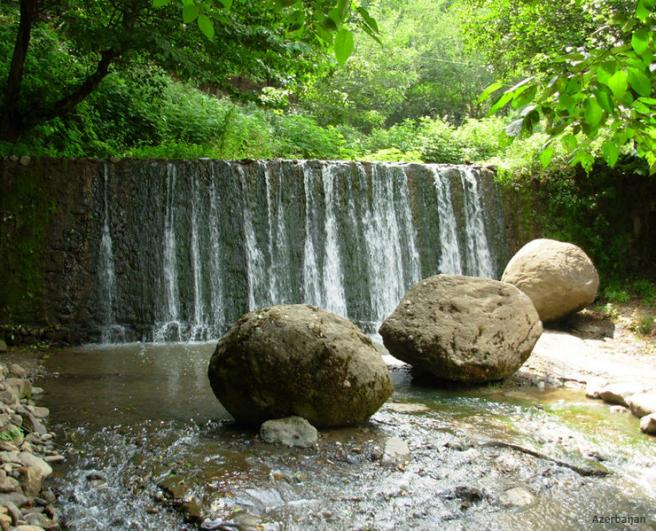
199, 328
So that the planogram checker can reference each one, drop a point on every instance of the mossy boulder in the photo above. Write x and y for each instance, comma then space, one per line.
298, 360
463, 329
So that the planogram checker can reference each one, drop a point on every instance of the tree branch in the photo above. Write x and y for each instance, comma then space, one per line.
10, 121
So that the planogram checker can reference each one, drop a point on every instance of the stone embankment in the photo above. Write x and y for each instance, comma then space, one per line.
27, 454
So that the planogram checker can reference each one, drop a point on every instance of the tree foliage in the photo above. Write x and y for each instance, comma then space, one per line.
223, 45
599, 92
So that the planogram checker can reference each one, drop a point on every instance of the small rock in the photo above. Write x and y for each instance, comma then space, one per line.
516, 497
18, 371
619, 409
594, 387
642, 404
395, 453
29, 528
30, 460
192, 510
14, 512
5, 522
290, 431
618, 393
648, 424
3, 346
32, 479
16, 498
39, 412
407, 407
24, 160
22, 388
8, 484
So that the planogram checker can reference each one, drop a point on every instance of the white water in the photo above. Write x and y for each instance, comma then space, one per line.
169, 329
333, 275
479, 259
110, 332
450, 259
386, 244
199, 328
311, 276
216, 270
255, 265
343, 238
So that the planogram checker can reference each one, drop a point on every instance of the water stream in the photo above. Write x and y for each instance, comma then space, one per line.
149, 418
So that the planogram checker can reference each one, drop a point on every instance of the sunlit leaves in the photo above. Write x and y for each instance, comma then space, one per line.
343, 45
206, 26
618, 83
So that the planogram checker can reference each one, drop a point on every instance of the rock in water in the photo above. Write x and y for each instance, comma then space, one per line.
463, 329
292, 431
396, 452
298, 360
558, 277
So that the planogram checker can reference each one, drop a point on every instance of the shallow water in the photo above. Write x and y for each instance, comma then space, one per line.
135, 416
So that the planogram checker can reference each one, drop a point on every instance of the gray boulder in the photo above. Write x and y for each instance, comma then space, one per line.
463, 329
559, 277
291, 431
298, 360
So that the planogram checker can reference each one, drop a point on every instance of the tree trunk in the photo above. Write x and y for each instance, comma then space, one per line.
10, 122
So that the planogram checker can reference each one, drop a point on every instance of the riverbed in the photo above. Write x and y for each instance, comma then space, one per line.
143, 433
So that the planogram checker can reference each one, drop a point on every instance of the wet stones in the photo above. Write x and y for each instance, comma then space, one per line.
463, 329
290, 431
558, 277
26, 450
516, 497
298, 360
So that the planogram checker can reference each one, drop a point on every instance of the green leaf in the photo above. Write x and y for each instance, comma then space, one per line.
610, 152
639, 82
489, 91
640, 40
604, 100
160, 3
642, 11
525, 97
501, 102
592, 112
370, 21
206, 26
569, 142
227, 4
546, 155
343, 45
618, 83
190, 13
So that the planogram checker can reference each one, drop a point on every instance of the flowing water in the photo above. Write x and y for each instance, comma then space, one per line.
142, 415
216, 239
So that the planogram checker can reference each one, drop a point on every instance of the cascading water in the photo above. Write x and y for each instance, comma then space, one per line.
479, 259
228, 237
216, 278
169, 328
311, 277
450, 260
111, 332
255, 266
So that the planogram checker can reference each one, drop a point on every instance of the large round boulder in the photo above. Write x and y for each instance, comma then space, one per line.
558, 277
463, 329
298, 360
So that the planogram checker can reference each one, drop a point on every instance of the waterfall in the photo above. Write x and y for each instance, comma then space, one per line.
216, 269
450, 260
345, 236
169, 329
111, 331
479, 259
386, 243
255, 265
333, 275
311, 277
199, 329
